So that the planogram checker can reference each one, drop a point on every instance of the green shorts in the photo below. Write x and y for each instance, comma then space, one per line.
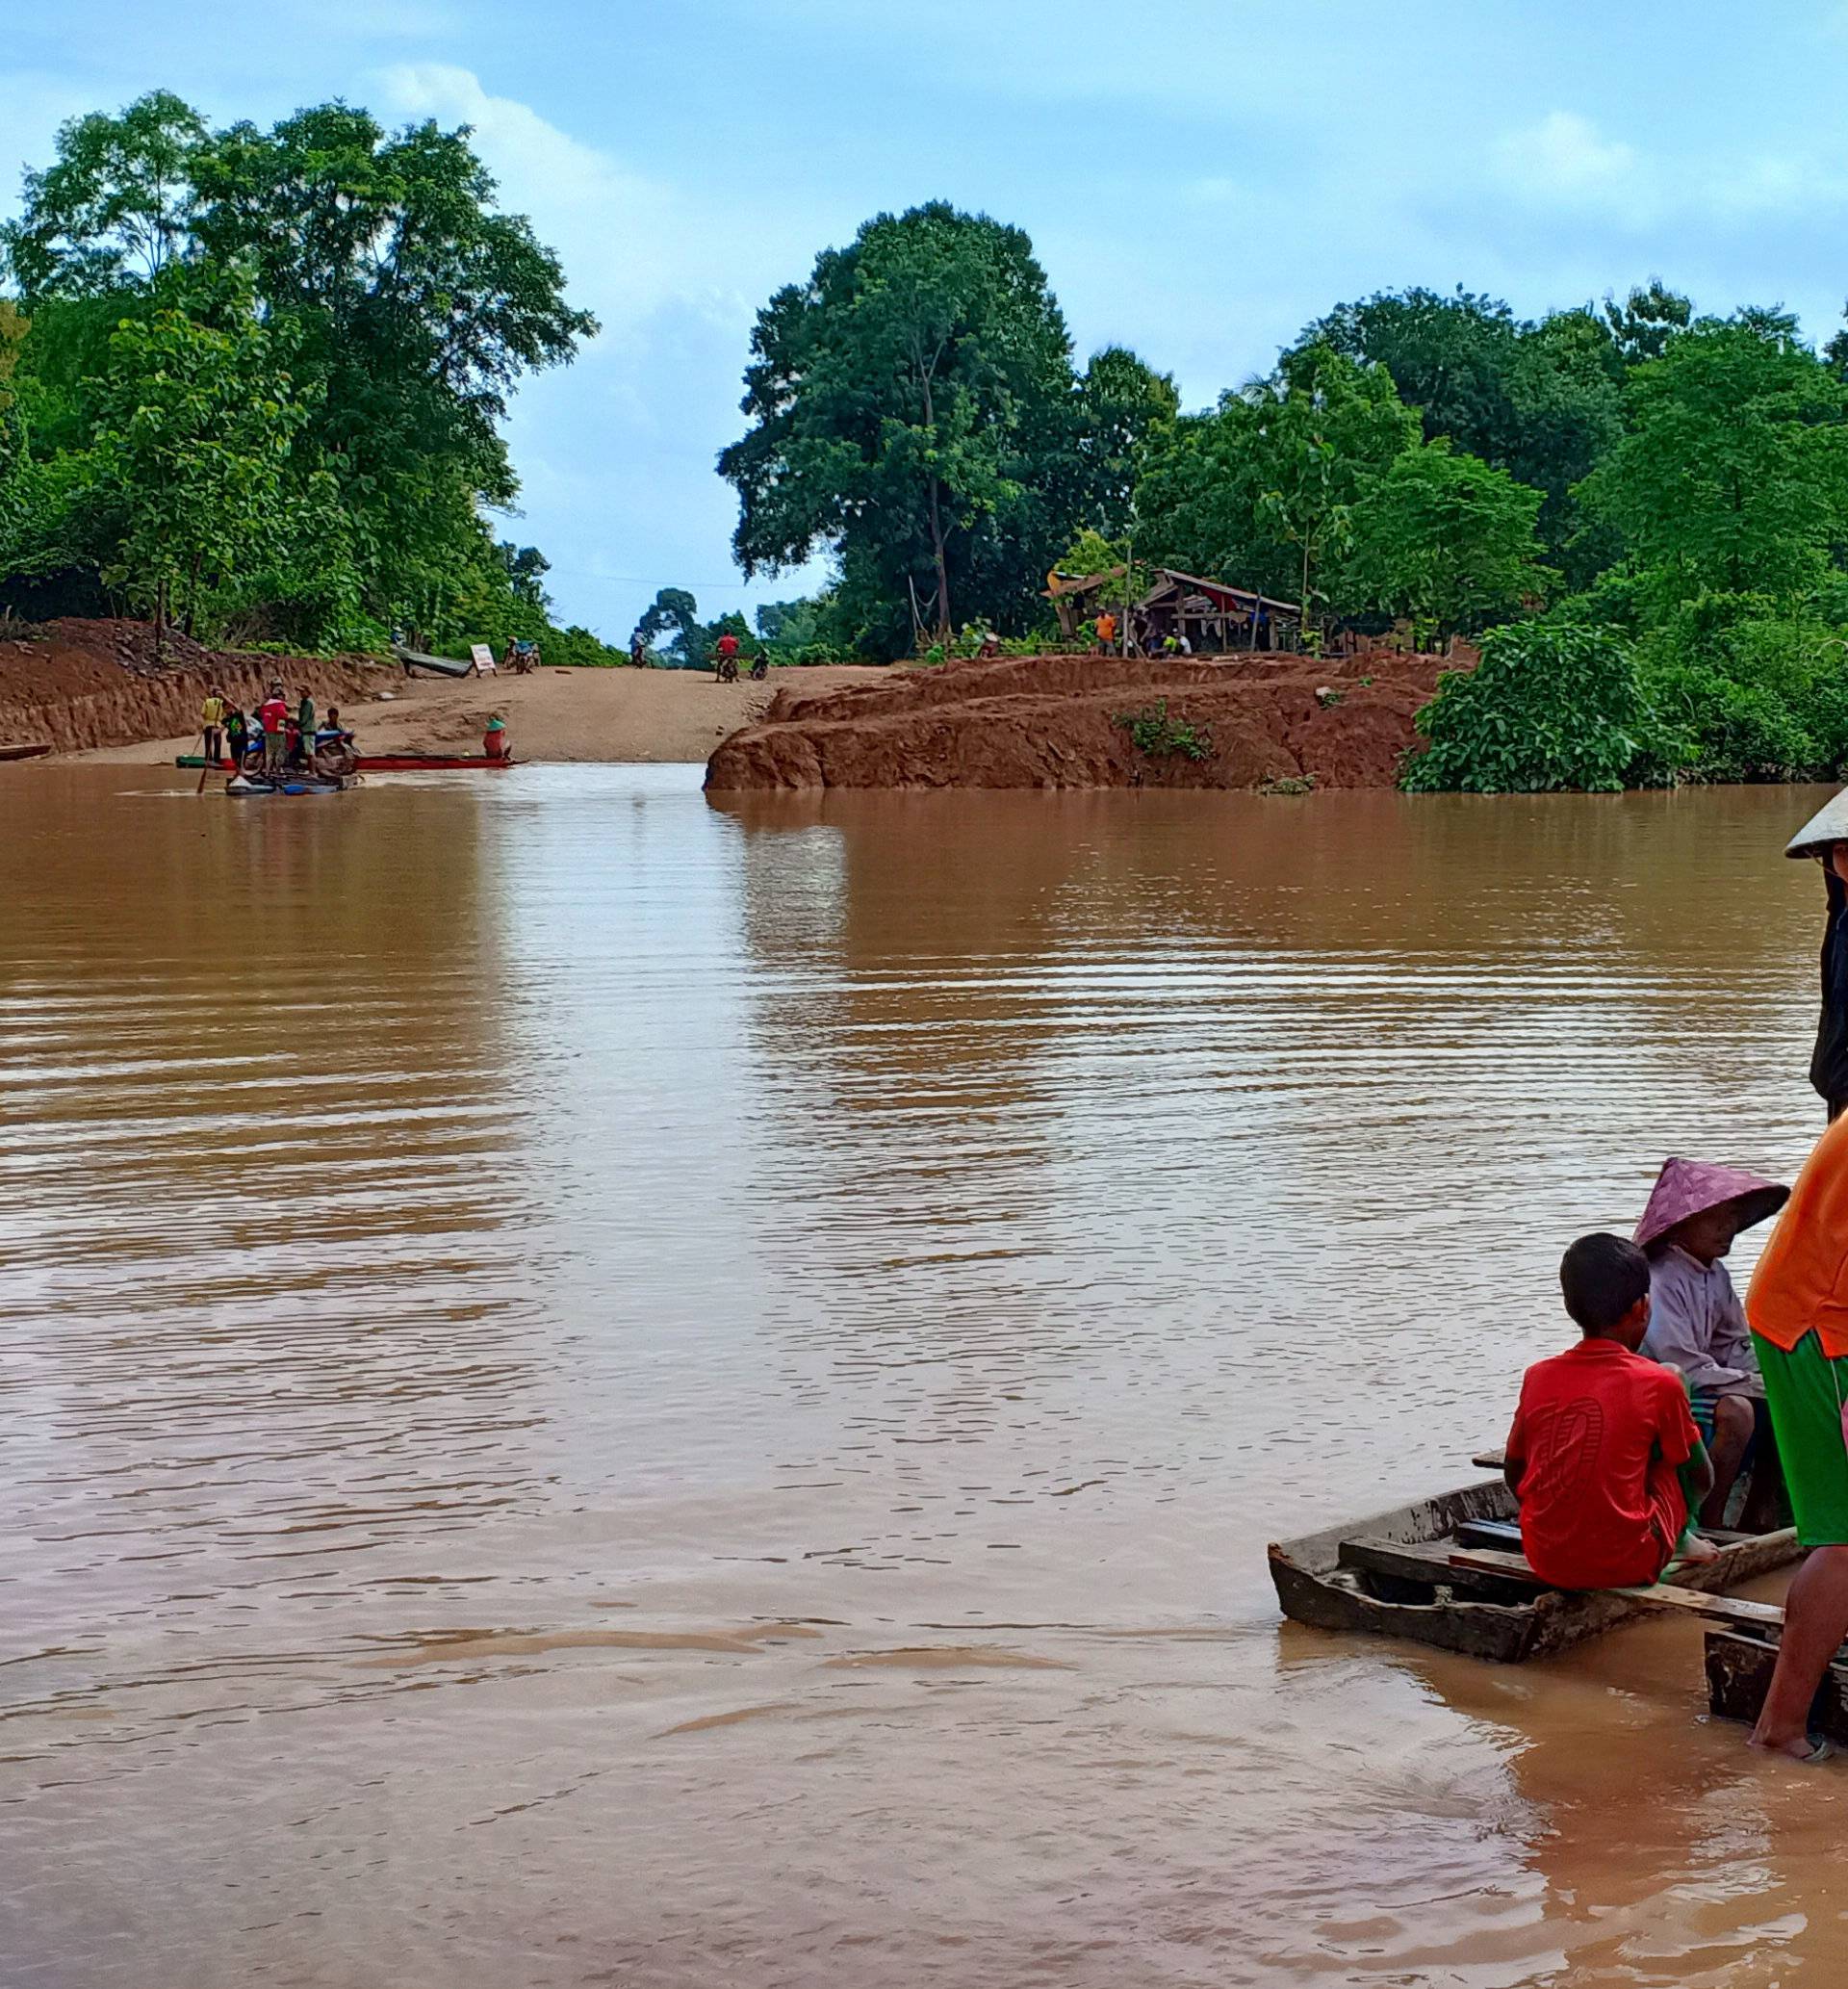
1806, 1390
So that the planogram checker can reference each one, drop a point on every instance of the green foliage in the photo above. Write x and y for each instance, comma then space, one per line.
914, 411
1732, 472
1444, 540
1263, 491
1091, 553
1550, 706
1159, 736
1540, 400
400, 306
195, 419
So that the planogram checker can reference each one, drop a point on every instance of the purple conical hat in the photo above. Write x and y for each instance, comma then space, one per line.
1689, 1187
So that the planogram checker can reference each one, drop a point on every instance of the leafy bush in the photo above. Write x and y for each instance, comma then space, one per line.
1549, 706
1158, 735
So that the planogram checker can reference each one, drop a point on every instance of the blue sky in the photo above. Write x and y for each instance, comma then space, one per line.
1201, 177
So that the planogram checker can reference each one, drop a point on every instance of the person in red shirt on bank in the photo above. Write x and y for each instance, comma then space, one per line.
1603, 1455
274, 714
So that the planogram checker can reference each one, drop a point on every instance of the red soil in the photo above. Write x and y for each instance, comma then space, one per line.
1049, 722
81, 684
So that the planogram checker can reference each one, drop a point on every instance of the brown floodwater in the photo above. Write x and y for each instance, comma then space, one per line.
604, 1390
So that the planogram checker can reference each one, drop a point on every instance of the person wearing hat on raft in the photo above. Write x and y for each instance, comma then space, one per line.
1797, 1306
1697, 1325
1825, 837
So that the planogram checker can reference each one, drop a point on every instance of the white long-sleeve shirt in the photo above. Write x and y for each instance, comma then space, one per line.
1697, 1324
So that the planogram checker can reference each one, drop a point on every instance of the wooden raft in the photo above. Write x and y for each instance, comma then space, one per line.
1739, 1657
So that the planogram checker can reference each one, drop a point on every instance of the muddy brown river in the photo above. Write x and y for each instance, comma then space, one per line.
601, 1389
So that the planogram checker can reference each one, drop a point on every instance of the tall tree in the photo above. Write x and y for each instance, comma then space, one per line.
1326, 427
900, 400
1445, 540
1122, 404
1647, 318
412, 301
117, 206
1732, 472
193, 444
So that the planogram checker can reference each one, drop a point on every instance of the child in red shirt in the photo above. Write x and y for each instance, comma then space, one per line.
1603, 1455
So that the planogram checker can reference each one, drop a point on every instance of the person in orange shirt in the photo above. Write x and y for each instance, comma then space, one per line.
1797, 1307
1106, 633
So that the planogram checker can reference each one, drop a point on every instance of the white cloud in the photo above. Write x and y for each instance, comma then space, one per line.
1564, 160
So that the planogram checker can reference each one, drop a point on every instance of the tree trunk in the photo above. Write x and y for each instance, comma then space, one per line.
943, 623
160, 618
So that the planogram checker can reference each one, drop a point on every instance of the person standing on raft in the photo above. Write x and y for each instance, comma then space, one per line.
1697, 1325
1797, 1306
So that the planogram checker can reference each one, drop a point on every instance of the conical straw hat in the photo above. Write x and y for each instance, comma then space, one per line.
1689, 1187
1829, 824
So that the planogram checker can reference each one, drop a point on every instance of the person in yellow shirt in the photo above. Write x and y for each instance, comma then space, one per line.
212, 724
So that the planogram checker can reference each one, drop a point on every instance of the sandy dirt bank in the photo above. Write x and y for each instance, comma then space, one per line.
1054, 721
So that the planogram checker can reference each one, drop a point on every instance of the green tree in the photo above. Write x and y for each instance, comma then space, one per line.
412, 304
1733, 471
192, 445
526, 568
1122, 404
901, 401
1643, 324
1445, 540
117, 206
1326, 427
673, 607
1549, 706
1540, 400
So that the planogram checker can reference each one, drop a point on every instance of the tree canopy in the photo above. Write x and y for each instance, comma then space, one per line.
394, 304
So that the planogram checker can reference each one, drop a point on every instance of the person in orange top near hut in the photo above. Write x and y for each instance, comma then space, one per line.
1603, 1455
1106, 633
1797, 1307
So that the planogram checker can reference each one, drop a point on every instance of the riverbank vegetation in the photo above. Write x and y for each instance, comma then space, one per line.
252, 382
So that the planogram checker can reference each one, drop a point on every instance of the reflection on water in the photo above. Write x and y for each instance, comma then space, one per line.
605, 1388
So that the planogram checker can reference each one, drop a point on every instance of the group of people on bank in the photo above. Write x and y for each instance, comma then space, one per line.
1626, 1444
276, 737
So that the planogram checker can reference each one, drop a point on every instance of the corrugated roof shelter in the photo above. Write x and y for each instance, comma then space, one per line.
1214, 616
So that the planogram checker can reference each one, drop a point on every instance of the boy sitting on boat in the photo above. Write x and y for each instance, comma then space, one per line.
1697, 1324
1604, 1455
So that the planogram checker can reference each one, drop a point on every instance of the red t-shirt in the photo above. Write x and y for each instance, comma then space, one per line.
274, 714
1601, 1431
727, 645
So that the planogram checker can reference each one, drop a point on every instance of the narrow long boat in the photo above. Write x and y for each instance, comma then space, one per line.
1394, 1575
387, 762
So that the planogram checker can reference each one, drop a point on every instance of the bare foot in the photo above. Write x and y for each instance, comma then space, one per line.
1809, 1751
1696, 1550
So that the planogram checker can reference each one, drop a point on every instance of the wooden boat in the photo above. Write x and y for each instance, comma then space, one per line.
248, 787
23, 749
439, 666
387, 762
1394, 1575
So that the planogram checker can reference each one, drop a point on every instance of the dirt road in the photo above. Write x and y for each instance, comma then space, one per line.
554, 714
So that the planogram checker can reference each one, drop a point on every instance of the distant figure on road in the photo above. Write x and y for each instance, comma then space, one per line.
728, 653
